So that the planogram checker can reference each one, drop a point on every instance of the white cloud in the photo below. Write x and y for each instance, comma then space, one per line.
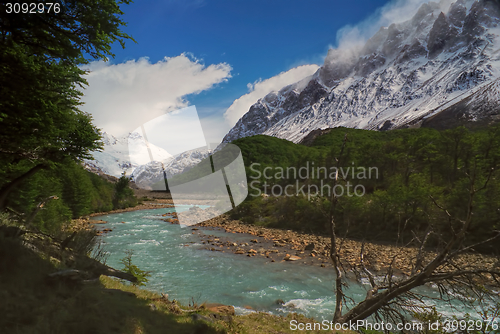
261, 88
123, 96
396, 11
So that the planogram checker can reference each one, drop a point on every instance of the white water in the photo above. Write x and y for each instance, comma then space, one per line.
185, 271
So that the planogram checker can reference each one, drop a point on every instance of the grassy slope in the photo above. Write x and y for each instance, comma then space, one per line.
31, 304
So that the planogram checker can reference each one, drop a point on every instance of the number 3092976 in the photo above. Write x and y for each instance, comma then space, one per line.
32, 8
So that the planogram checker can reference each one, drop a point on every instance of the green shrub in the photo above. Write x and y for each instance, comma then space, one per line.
124, 196
129, 267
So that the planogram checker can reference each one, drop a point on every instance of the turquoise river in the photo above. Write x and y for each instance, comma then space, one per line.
182, 268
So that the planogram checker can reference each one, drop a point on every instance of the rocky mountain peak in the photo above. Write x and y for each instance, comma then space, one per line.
392, 44
404, 74
483, 14
337, 66
443, 33
458, 13
375, 41
424, 10
108, 139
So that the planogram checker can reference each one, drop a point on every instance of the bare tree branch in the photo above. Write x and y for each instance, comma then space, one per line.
334, 250
419, 260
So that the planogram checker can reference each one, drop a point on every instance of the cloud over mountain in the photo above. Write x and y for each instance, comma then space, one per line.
440, 68
396, 11
261, 88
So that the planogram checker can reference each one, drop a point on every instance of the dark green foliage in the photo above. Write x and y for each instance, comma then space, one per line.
284, 212
76, 187
79, 193
415, 168
44, 134
101, 200
270, 150
27, 196
129, 267
40, 88
124, 196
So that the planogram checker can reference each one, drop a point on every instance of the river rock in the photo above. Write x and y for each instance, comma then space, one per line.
309, 247
219, 308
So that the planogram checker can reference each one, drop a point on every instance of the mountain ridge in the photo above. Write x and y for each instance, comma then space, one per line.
128, 155
404, 76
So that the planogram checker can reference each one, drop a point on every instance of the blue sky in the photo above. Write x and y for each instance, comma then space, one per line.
258, 38
226, 46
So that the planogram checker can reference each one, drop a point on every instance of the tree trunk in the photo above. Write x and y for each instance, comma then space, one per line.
334, 251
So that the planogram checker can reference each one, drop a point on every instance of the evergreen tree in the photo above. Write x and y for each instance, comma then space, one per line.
40, 77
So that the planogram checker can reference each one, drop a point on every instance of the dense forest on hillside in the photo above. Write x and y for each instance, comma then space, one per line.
77, 192
45, 136
418, 177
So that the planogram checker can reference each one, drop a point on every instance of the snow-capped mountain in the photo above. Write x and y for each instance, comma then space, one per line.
439, 69
130, 154
146, 176
123, 154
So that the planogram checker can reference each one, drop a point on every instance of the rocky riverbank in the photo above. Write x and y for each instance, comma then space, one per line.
153, 204
287, 245
157, 203
303, 248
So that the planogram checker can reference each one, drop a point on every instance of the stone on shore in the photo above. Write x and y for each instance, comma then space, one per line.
309, 247
219, 308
